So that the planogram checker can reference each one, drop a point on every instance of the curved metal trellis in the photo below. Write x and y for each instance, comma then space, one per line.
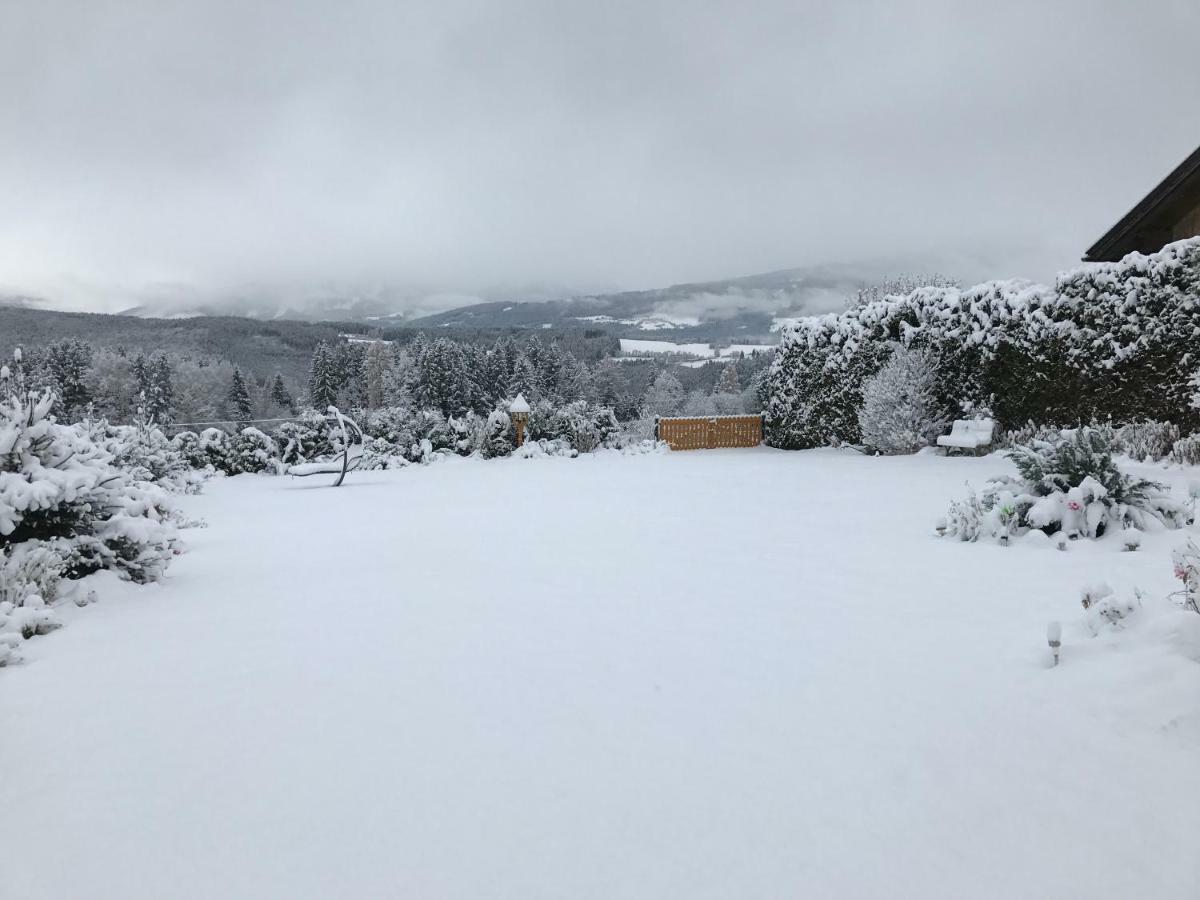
346, 461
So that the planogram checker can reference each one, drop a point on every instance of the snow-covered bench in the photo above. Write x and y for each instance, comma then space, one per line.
968, 434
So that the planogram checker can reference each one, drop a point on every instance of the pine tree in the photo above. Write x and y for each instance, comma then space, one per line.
664, 397
280, 396
160, 391
899, 407
322, 388
141, 375
64, 370
441, 379
237, 402
728, 382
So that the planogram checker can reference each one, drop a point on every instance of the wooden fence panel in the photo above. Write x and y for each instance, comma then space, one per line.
710, 432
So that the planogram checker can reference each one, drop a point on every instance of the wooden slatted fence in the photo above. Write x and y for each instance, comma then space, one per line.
710, 432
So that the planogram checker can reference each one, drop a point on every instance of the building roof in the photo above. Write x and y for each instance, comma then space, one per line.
1142, 225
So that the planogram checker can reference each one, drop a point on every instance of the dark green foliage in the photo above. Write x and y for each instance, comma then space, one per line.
1048, 467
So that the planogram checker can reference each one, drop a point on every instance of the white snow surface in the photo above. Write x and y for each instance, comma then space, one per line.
635, 345
718, 674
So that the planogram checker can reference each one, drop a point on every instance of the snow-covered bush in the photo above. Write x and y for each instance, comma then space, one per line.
498, 439
1186, 451
379, 453
251, 451
59, 488
1071, 485
584, 426
1187, 570
1105, 608
1147, 441
544, 448
900, 410
303, 440
147, 454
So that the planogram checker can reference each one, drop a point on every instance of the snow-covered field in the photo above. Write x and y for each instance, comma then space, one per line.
706, 351
731, 674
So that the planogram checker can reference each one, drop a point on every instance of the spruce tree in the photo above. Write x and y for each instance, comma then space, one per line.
160, 393
280, 396
322, 388
237, 402
728, 382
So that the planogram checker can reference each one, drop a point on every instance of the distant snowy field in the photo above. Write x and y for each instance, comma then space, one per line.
733, 674
706, 351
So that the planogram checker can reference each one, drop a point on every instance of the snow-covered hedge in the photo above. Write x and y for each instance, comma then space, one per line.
1109, 341
1071, 485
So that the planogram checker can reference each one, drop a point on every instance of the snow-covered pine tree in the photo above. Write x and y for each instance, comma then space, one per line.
63, 369
900, 411
59, 487
442, 381
280, 396
728, 382
160, 395
524, 380
237, 401
664, 397
322, 386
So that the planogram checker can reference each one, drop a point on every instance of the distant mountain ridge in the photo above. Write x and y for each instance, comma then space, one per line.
730, 308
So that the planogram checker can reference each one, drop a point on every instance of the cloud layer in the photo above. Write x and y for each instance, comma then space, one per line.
157, 149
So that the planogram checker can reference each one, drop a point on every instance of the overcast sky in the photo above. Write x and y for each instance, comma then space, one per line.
157, 147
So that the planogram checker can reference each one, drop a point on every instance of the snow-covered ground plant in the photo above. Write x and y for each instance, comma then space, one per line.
1072, 485
900, 411
1104, 607
67, 510
1147, 441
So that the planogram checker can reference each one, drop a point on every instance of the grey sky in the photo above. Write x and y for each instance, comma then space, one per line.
154, 147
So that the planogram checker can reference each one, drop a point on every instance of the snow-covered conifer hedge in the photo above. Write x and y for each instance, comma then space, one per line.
1109, 340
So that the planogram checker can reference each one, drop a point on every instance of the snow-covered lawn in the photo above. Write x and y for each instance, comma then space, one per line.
732, 674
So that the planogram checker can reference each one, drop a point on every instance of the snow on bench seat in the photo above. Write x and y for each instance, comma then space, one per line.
968, 434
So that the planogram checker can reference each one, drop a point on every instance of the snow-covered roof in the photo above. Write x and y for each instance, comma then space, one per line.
520, 405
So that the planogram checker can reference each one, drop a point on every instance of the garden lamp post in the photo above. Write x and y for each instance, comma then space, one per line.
1054, 639
519, 410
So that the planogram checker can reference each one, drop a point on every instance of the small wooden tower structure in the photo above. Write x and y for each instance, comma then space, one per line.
519, 410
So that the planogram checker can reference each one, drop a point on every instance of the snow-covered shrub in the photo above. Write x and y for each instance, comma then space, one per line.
1187, 570
1147, 441
1186, 451
303, 440
544, 448
379, 453
900, 410
1105, 608
251, 451
584, 426
58, 487
498, 439
1072, 485
147, 454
